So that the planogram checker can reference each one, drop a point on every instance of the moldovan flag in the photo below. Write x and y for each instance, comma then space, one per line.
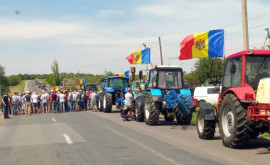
140, 57
123, 74
202, 45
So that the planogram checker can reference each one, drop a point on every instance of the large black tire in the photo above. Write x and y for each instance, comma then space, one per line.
182, 119
205, 128
100, 103
107, 102
151, 110
139, 109
233, 122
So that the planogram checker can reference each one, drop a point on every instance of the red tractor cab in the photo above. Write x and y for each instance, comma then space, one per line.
244, 102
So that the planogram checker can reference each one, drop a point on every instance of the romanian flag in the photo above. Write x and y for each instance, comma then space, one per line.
140, 57
202, 45
123, 74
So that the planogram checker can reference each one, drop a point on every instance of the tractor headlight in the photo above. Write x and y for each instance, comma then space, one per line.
164, 103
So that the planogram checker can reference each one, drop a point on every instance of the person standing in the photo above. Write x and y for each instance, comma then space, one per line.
28, 103
54, 101
70, 100
44, 100
61, 101
5, 103
78, 100
93, 101
34, 99
15, 102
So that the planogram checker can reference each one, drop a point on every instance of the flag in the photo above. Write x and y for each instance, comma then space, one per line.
123, 74
202, 45
59, 87
81, 81
140, 57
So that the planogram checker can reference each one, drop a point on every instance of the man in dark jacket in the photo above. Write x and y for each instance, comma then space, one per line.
6, 103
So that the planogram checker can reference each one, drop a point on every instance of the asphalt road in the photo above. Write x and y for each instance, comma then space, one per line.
103, 138
32, 87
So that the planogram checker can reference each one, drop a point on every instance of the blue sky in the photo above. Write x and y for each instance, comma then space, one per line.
89, 36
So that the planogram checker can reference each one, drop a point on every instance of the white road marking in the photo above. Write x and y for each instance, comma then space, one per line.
67, 139
53, 119
144, 146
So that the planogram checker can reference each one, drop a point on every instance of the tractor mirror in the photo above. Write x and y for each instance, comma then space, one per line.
140, 75
102, 80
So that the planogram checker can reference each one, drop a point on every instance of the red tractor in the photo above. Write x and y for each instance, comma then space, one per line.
243, 108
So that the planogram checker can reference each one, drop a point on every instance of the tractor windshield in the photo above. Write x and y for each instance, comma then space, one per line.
257, 67
118, 83
170, 79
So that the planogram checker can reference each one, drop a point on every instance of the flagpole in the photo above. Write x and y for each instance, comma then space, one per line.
146, 64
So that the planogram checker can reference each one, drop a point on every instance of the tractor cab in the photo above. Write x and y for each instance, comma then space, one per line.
243, 72
166, 78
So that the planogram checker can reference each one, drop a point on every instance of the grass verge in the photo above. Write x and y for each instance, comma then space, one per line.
18, 88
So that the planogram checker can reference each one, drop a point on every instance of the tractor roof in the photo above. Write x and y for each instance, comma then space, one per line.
250, 52
120, 77
168, 67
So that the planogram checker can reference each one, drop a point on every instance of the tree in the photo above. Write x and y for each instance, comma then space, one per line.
14, 80
209, 69
192, 79
4, 85
55, 71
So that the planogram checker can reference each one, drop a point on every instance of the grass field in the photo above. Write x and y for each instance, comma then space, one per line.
18, 88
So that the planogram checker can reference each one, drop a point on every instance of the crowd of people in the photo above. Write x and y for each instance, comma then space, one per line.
49, 102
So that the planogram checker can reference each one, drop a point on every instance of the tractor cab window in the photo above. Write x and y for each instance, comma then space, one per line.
170, 79
118, 83
232, 73
257, 67
153, 78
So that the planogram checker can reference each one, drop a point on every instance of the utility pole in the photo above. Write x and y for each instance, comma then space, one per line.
245, 25
161, 58
146, 64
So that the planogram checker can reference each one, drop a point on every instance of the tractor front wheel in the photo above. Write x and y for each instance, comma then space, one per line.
139, 109
151, 110
182, 119
233, 122
107, 102
205, 128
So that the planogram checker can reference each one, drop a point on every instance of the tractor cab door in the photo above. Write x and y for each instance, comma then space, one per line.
232, 73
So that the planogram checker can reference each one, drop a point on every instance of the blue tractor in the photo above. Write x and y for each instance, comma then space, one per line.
114, 89
166, 94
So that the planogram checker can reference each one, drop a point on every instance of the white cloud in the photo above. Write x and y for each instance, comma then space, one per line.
157, 10
107, 13
29, 30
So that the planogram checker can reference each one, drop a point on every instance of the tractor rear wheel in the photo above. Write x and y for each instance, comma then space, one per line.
139, 109
107, 102
233, 122
182, 119
205, 128
151, 110
100, 103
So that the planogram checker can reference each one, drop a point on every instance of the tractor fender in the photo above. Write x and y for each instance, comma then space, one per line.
240, 92
126, 89
109, 89
208, 111
185, 91
156, 94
